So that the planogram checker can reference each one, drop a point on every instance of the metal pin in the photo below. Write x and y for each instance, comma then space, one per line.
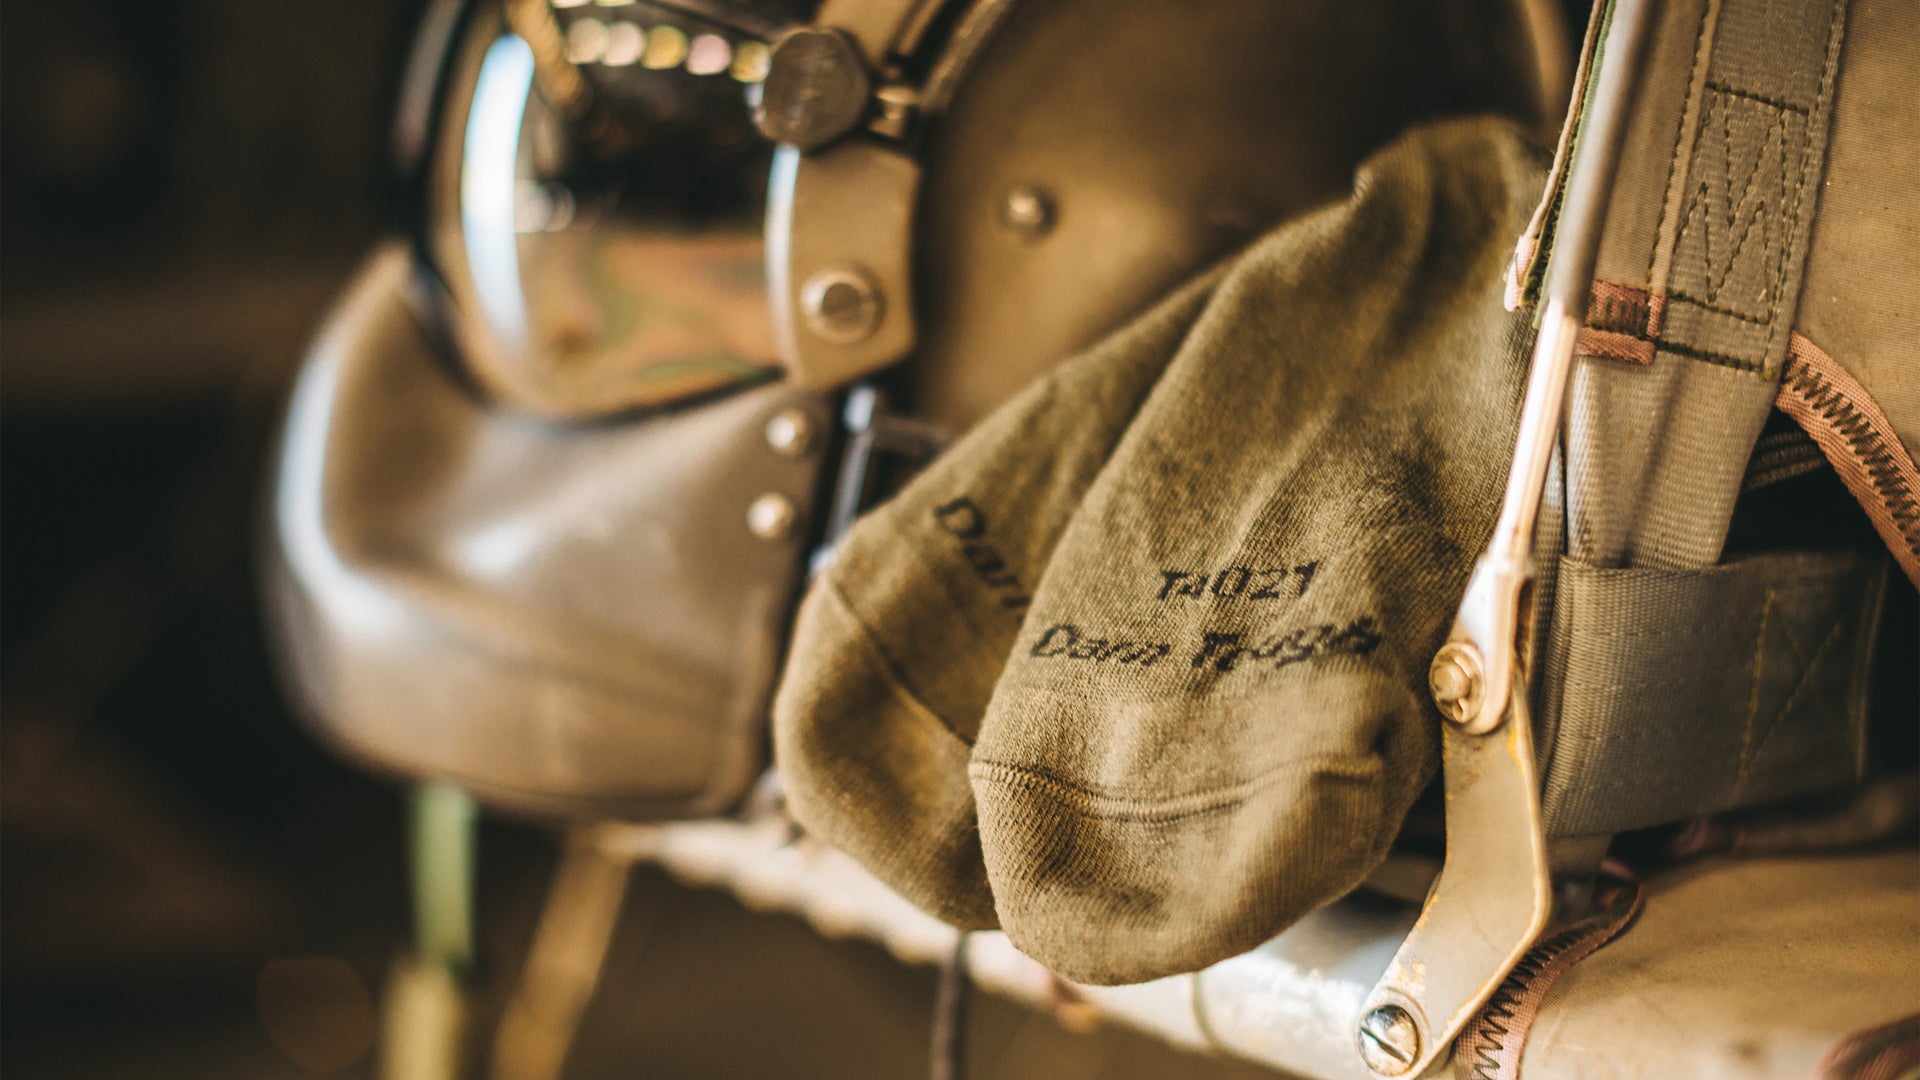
895, 107
1456, 679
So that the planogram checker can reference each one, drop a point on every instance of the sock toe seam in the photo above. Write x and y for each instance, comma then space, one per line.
1088, 802
870, 644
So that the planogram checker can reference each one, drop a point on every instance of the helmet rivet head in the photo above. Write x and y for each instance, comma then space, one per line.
1027, 210
841, 305
1456, 679
790, 433
772, 516
1389, 1040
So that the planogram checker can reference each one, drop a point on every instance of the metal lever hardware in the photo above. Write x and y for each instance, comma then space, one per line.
1495, 891
1494, 894
1488, 906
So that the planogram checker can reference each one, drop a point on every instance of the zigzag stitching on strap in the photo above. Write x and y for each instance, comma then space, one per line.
1740, 201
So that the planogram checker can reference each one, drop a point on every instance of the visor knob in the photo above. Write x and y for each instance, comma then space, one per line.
841, 305
772, 516
816, 89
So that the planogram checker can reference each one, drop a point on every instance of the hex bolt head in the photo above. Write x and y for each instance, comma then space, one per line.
1389, 1040
1456, 679
790, 433
1027, 210
841, 305
772, 517
816, 89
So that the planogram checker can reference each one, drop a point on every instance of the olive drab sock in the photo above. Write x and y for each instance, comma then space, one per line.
900, 640
1215, 716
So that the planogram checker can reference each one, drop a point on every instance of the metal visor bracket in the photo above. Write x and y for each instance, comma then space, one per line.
839, 234
845, 181
1494, 895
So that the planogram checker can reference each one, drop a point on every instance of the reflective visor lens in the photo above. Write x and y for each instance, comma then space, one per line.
595, 206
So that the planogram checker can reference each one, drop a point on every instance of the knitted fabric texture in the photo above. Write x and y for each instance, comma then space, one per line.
900, 640
1214, 717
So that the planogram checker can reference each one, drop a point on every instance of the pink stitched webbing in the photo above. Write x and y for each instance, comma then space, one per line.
1859, 441
1886, 1052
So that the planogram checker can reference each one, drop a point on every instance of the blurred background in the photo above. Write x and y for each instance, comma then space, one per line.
190, 886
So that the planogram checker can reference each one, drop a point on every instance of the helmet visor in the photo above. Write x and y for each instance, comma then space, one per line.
595, 201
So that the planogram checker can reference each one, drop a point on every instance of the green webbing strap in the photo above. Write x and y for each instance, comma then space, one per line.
1657, 452
1693, 691
1752, 183
1682, 685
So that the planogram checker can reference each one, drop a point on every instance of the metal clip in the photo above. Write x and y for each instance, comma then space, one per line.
874, 435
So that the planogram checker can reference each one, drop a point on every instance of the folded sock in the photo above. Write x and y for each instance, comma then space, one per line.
900, 640
1214, 716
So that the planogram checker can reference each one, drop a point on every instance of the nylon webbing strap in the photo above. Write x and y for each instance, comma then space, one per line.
1689, 692
1657, 452
1752, 179
1681, 685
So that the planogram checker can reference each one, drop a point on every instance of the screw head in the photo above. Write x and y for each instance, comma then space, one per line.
1027, 210
1456, 679
790, 433
816, 89
1389, 1040
772, 516
841, 305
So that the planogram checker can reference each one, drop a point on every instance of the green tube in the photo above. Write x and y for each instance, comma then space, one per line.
443, 842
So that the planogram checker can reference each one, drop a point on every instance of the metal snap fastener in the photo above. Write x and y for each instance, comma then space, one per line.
841, 305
